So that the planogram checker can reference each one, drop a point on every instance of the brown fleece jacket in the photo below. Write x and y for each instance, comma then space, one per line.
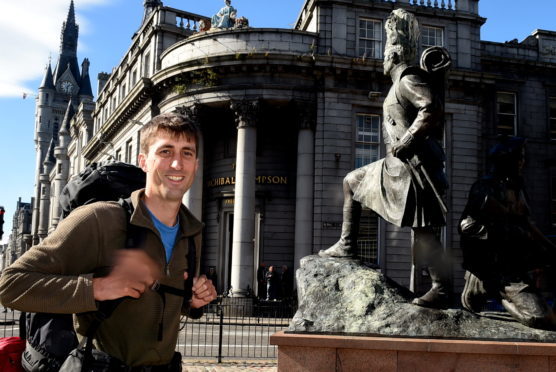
55, 276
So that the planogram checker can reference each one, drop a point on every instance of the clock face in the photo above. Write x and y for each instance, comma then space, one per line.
67, 87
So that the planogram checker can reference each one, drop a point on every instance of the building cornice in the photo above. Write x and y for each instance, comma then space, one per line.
125, 110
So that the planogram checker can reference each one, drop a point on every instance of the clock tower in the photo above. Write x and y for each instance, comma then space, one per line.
66, 85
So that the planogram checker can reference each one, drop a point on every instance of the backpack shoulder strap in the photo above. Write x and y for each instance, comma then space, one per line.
135, 235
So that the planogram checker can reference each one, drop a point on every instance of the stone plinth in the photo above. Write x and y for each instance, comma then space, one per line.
329, 353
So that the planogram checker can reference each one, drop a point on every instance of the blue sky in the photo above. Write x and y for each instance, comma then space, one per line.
30, 32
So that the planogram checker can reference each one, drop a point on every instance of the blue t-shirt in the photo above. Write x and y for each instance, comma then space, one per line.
168, 234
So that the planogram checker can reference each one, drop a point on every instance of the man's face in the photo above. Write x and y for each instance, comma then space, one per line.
390, 60
171, 164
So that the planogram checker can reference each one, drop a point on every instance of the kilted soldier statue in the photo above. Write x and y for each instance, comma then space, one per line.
406, 187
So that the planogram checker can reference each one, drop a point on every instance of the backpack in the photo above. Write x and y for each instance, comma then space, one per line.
10, 354
51, 337
113, 181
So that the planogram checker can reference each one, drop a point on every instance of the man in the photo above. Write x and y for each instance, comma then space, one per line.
272, 284
405, 188
286, 282
261, 281
500, 242
82, 262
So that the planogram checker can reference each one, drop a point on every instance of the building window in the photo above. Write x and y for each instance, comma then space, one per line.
552, 118
370, 38
118, 155
432, 36
55, 128
114, 103
124, 92
146, 65
128, 151
134, 77
506, 114
367, 142
367, 139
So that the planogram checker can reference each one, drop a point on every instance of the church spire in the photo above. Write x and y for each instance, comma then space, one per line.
70, 32
68, 45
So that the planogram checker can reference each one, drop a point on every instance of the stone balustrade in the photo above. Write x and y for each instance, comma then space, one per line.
182, 19
442, 4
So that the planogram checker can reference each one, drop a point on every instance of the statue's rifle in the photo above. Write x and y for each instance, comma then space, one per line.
420, 166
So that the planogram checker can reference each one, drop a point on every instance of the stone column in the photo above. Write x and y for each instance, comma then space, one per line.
60, 181
305, 183
244, 209
193, 199
44, 206
41, 152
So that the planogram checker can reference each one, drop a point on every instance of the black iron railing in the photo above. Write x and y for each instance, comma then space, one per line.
235, 328
9, 322
231, 327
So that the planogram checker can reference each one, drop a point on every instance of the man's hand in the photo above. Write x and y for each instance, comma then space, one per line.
133, 272
203, 291
403, 149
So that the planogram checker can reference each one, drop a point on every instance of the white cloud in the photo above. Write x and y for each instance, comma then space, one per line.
30, 32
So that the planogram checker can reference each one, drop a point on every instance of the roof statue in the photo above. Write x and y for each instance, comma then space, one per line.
226, 17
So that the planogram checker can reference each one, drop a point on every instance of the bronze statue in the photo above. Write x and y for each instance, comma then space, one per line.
501, 244
406, 186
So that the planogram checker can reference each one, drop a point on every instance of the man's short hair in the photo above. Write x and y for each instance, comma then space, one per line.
174, 124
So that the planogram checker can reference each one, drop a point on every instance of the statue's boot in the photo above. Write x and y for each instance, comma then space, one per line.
439, 296
527, 306
426, 248
474, 295
347, 245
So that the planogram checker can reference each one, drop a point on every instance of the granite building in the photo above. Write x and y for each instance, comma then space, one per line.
285, 114
20, 235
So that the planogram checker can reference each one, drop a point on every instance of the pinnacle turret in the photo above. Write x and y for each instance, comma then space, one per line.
70, 112
50, 159
47, 81
86, 89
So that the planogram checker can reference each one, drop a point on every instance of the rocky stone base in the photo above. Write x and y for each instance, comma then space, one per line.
342, 296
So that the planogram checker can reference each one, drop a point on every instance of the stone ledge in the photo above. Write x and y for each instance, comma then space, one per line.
323, 353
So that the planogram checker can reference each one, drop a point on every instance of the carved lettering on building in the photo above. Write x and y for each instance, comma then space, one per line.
271, 180
221, 181
260, 180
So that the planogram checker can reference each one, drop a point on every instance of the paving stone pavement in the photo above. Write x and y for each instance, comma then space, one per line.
267, 365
